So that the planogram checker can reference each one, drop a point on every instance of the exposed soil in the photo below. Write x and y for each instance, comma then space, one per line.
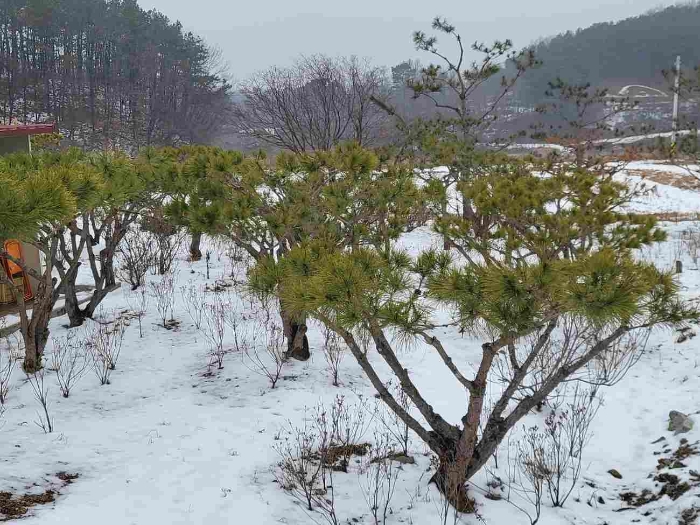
14, 506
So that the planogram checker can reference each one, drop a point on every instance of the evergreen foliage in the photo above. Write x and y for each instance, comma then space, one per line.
544, 273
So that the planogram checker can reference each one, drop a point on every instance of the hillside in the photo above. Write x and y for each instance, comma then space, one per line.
632, 51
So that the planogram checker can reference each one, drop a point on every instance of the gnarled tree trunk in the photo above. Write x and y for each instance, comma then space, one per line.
295, 334
195, 246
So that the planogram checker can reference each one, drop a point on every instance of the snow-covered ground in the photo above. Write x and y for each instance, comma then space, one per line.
167, 443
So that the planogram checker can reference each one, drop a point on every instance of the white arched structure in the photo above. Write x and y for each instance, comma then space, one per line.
626, 90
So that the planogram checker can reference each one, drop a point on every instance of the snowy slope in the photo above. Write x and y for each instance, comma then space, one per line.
165, 443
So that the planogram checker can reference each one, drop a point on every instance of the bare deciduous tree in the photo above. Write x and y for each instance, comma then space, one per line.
314, 104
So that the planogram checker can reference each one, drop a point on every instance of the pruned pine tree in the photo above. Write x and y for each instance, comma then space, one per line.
343, 197
544, 279
196, 192
41, 195
128, 188
455, 87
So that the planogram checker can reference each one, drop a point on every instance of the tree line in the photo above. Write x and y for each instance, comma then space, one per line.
108, 72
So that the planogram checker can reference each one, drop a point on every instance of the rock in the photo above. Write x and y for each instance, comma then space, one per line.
679, 423
615, 474
686, 333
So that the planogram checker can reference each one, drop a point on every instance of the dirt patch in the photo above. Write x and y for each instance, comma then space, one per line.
338, 456
637, 500
689, 516
684, 181
684, 451
676, 217
671, 484
336, 452
14, 506
673, 487
67, 478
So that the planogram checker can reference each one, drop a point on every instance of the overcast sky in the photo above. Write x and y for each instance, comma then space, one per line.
255, 34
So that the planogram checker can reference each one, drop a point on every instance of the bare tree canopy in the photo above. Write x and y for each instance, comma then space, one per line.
313, 105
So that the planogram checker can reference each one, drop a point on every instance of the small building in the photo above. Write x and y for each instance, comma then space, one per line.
14, 139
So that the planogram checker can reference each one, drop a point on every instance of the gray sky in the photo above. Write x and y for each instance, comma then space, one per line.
255, 34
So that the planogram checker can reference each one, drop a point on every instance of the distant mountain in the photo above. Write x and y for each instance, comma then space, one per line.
632, 51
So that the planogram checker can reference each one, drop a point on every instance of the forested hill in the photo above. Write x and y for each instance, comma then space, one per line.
108, 72
632, 51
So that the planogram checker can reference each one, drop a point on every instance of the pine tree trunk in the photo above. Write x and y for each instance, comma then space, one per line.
108, 268
451, 480
295, 333
37, 334
32, 356
71, 300
195, 246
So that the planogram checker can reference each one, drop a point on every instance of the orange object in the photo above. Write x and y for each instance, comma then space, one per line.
14, 248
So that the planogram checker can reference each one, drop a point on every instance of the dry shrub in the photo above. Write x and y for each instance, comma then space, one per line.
7, 366
378, 478
70, 361
135, 254
41, 394
260, 339
138, 302
194, 297
164, 294
333, 352
301, 471
104, 341
214, 330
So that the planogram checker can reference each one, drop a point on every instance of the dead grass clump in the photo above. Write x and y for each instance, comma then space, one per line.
673, 487
638, 500
14, 506
339, 453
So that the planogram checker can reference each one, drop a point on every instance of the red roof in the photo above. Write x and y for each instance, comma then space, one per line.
21, 130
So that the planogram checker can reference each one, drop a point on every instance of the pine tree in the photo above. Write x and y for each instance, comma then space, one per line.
128, 187
542, 273
41, 195
342, 197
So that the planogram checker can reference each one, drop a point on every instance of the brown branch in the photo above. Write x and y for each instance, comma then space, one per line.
435, 343
387, 353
